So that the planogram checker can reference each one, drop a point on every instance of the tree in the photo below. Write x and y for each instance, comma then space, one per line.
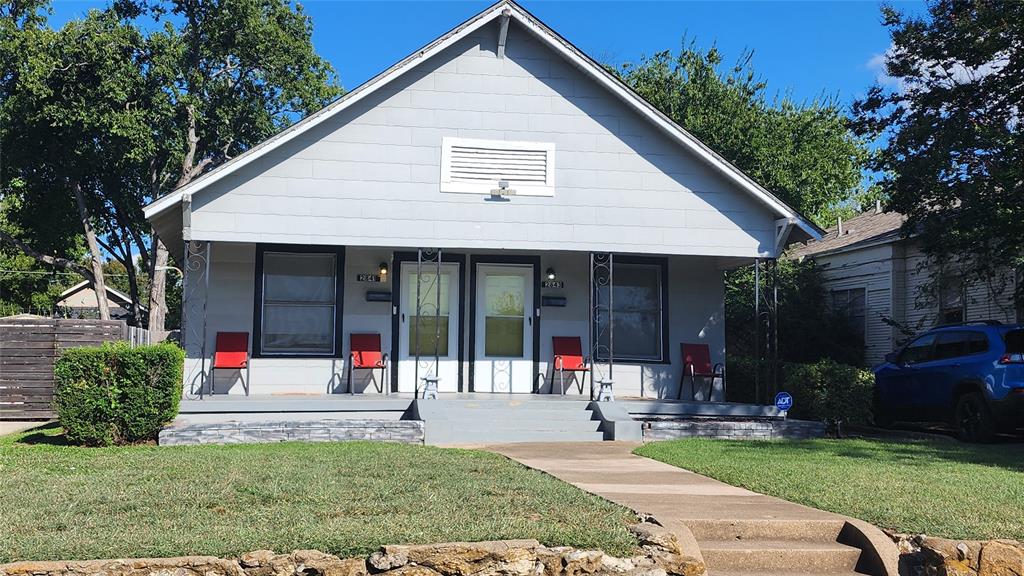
952, 132
804, 153
68, 125
144, 113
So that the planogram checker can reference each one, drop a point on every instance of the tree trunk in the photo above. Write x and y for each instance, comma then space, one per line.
98, 284
157, 287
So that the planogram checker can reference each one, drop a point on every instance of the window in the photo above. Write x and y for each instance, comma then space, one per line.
951, 345
298, 299
920, 350
638, 310
480, 166
850, 303
951, 299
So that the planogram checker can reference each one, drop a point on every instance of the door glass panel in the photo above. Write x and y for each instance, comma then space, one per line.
427, 335
504, 316
429, 326
951, 345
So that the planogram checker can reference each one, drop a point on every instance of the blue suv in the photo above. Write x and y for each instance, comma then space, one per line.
971, 375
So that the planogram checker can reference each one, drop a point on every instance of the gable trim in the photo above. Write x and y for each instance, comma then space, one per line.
553, 40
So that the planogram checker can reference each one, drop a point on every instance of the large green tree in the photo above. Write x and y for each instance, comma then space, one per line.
951, 119
107, 114
804, 153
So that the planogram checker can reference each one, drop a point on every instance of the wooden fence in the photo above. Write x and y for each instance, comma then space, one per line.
28, 348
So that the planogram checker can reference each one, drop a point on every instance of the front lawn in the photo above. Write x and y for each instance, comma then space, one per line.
938, 487
61, 502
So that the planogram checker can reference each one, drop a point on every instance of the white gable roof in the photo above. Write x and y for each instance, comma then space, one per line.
552, 40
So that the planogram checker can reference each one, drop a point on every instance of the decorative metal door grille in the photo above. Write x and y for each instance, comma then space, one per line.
427, 258
602, 331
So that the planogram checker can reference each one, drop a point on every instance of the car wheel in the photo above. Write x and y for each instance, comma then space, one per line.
972, 419
881, 414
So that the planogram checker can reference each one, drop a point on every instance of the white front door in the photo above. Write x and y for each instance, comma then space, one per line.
441, 328
504, 329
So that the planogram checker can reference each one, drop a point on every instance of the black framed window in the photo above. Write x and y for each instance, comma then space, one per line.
850, 303
952, 299
639, 310
298, 302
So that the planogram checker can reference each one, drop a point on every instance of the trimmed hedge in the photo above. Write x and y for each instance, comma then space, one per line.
826, 390
116, 394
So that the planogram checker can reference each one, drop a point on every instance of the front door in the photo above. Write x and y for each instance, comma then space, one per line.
503, 354
440, 329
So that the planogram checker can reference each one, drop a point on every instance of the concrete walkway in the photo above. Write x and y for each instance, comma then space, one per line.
13, 426
736, 531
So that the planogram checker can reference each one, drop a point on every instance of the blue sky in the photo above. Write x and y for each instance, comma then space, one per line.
806, 49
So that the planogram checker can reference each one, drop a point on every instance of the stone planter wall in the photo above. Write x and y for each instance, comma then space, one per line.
732, 429
234, 432
926, 556
659, 555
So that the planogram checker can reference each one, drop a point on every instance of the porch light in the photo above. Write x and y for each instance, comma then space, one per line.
383, 268
550, 273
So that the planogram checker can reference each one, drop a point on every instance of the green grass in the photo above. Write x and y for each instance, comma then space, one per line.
62, 502
941, 488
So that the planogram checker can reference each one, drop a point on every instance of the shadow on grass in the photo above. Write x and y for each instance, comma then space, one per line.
1009, 456
49, 434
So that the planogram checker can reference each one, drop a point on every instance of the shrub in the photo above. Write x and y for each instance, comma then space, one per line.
829, 391
116, 394
824, 390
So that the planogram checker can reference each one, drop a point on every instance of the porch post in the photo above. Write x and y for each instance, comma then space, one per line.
602, 331
427, 257
757, 330
196, 275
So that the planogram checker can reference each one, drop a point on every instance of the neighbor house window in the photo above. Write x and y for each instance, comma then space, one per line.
951, 299
299, 298
638, 310
850, 303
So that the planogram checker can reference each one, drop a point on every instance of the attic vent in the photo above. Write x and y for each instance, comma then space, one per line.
477, 166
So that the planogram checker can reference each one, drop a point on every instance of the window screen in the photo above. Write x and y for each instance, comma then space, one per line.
298, 303
637, 312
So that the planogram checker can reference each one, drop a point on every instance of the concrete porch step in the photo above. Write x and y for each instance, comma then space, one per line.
825, 531
518, 413
486, 427
517, 436
778, 556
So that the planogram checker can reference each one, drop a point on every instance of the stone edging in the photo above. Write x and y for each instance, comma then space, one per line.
327, 430
659, 555
926, 555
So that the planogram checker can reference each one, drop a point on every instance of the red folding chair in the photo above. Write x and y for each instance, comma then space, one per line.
365, 354
568, 357
231, 353
697, 364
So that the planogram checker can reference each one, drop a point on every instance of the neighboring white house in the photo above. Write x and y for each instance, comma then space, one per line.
892, 290
525, 164
79, 301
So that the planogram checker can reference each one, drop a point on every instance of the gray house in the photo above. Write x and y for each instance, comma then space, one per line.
490, 192
892, 290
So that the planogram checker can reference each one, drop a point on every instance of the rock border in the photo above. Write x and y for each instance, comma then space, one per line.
660, 554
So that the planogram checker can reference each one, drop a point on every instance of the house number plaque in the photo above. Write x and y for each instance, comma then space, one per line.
367, 278
553, 284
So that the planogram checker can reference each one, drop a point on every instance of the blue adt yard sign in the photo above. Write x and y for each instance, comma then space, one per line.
784, 401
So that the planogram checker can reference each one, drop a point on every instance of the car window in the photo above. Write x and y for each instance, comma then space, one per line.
919, 350
1014, 341
951, 345
977, 342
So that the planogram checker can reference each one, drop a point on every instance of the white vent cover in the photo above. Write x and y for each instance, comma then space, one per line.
477, 166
